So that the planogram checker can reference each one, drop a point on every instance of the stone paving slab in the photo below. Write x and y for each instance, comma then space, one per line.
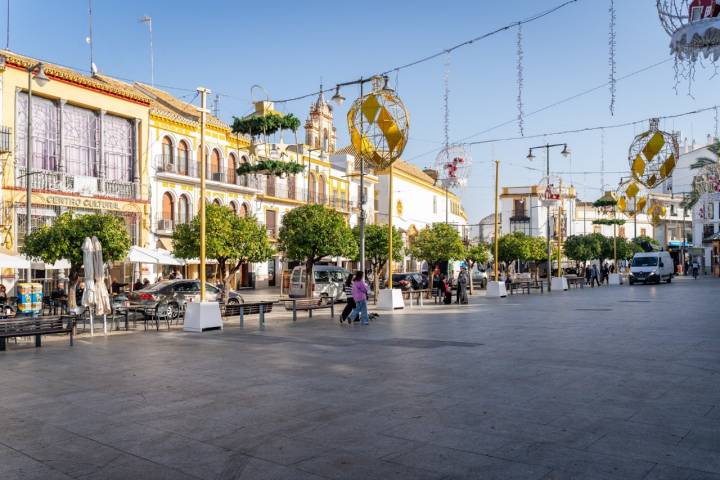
605, 383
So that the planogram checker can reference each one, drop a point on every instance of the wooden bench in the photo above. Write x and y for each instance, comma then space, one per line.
35, 327
309, 304
248, 308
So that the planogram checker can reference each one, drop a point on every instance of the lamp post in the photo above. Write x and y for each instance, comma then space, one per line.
203, 112
39, 70
565, 153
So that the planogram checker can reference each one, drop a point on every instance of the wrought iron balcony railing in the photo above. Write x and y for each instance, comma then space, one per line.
5, 139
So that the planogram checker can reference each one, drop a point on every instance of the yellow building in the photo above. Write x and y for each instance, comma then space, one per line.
89, 148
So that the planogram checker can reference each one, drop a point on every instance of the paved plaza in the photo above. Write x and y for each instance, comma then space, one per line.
610, 383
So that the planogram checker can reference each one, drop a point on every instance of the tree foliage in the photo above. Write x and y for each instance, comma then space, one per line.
63, 240
267, 124
646, 244
583, 248
477, 254
231, 240
376, 248
438, 243
522, 247
311, 232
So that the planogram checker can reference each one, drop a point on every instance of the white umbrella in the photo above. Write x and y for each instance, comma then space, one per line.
102, 297
88, 298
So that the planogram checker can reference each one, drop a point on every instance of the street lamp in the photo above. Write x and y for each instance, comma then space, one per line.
41, 79
531, 156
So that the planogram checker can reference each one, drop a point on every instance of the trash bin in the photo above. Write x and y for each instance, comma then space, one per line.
30, 299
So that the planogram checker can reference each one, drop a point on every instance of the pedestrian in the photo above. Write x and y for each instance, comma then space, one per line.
350, 305
462, 284
695, 269
595, 276
588, 275
606, 273
138, 285
145, 284
360, 295
178, 275
446, 290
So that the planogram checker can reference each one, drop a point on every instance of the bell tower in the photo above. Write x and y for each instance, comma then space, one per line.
319, 127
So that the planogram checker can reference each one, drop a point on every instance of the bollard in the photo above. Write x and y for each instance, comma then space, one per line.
294, 310
332, 308
262, 314
242, 317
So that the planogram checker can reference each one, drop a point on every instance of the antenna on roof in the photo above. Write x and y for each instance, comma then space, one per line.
147, 20
216, 104
89, 38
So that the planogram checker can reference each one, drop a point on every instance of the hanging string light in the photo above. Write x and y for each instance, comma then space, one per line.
613, 65
446, 100
520, 81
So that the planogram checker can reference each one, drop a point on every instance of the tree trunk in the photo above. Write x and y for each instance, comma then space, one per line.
376, 283
227, 279
308, 277
73, 279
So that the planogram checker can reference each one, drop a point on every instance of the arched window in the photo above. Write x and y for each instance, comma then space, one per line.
167, 151
244, 210
168, 212
183, 158
243, 178
184, 215
217, 202
214, 164
232, 166
234, 207
321, 190
291, 187
270, 185
311, 188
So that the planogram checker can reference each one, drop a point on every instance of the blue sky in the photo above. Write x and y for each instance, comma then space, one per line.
287, 47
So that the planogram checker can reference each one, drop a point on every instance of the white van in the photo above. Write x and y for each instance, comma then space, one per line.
652, 267
328, 282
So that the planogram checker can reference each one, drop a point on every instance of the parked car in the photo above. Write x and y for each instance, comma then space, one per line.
177, 293
651, 267
328, 282
409, 281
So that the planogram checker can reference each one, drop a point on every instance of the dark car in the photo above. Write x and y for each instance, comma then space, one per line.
176, 293
409, 281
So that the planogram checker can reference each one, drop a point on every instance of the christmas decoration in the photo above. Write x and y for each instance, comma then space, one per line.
653, 155
631, 198
453, 166
379, 124
656, 210
612, 43
520, 81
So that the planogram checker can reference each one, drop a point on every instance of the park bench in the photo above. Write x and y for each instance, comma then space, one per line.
525, 285
35, 327
575, 281
247, 308
417, 294
309, 304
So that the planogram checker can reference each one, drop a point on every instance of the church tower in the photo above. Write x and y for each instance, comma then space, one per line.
319, 126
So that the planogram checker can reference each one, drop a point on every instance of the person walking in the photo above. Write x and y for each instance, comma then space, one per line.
595, 276
606, 273
462, 284
360, 295
695, 269
350, 305
588, 275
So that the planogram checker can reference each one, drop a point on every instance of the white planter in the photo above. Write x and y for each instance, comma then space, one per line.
614, 279
390, 299
558, 284
201, 316
496, 290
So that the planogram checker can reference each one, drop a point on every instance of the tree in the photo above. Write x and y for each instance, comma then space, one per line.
643, 243
231, 240
521, 247
474, 255
438, 243
311, 232
583, 248
376, 248
63, 240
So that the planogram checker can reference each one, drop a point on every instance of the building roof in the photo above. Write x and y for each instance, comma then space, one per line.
165, 105
99, 82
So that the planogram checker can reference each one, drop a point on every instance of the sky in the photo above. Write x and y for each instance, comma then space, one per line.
290, 47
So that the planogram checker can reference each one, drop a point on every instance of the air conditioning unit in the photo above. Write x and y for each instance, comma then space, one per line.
218, 177
165, 225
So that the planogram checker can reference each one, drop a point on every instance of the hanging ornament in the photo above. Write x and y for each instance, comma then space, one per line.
379, 123
656, 210
694, 28
631, 198
653, 155
612, 43
520, 81
453, 166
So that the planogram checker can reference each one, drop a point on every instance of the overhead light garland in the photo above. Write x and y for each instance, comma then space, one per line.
520, 81
612, 43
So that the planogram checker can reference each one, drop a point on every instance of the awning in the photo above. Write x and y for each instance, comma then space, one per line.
148, 255
61, 264
13, 261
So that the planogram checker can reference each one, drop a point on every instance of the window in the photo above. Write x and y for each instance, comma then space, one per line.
672, 211
311, 186
244, 210
270, 225
696, 14
168, 207
243, 178
118, 147
710, 211
270, 185
597, 229
234, 207
708, 11
643, 232
184, 214
519, 208
183, 158
708, 230
232, 166
80, 140
167, 151
217, 202
214, 163
321, 190
291, 187
46, 133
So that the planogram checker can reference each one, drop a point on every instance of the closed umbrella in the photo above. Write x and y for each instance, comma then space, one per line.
88, 298
102, 297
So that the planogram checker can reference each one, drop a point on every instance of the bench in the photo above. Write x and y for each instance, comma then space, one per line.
309, 304
525, 285
419, 294
575, 281
248, 308
35, 327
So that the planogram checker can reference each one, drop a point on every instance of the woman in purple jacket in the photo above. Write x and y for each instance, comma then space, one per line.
360, 295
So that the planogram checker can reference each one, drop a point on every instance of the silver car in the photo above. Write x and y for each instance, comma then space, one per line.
177, 293
328, 282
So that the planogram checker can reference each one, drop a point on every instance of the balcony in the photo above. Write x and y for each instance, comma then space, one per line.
168, 164
53, 181
165, 225
45, 180
119, 189
218, 177
5, 135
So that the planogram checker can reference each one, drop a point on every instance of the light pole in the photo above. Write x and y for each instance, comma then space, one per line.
39, 70
565, 153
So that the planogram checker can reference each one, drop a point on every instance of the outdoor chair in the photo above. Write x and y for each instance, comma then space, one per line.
160, 314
